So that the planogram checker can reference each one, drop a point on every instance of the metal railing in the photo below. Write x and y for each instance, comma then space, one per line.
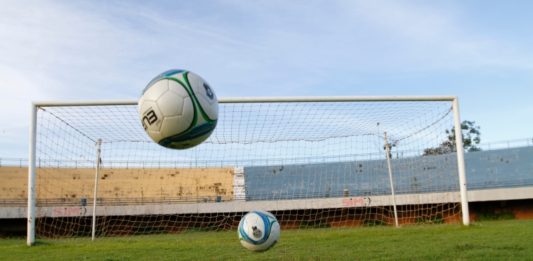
23, 162
507, 144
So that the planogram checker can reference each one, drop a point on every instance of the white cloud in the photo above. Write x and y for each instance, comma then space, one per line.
433, 37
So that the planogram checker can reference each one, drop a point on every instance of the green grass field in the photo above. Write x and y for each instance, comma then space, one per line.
490, 240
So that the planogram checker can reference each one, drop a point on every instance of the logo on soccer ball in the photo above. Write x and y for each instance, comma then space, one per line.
208, 91
257, 233
149, 117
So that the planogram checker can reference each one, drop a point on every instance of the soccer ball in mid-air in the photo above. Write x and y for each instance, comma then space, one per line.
258, 230
178, 109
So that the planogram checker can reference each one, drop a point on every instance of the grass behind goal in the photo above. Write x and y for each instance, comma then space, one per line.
490, 240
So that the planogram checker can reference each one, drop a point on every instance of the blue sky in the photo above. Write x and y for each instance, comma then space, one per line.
78, 50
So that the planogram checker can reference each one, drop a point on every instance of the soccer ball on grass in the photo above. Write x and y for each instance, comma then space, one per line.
258, 230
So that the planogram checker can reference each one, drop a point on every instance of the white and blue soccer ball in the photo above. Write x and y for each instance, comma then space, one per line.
178, 109
258, 230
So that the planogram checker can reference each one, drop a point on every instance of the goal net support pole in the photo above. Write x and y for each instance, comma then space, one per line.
96, 174
389, 168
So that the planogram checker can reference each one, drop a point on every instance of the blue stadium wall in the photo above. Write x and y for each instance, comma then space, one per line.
485, 169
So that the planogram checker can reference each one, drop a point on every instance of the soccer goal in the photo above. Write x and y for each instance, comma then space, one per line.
313, 162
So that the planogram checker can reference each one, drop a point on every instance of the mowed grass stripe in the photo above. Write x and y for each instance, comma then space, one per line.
491, 240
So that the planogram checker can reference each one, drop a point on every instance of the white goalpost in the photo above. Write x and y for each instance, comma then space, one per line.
315, 162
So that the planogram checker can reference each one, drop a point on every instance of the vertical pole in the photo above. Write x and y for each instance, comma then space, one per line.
97, 172
461, 162
389, 166
30, 230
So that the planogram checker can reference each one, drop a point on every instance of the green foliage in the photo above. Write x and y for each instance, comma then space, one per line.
490, 240
471, 139
374, 222
430, 220
471, 135
487, 216
313, 224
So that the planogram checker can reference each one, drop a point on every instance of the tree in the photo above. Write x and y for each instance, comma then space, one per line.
471, 138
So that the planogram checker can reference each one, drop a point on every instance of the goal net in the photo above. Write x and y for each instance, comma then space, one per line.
313, 163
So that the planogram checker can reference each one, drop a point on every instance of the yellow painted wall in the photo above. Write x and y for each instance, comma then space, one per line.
120, 184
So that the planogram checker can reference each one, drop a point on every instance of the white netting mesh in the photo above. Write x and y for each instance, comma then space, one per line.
313, 164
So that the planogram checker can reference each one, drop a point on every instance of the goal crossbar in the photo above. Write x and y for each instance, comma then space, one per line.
260, 100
